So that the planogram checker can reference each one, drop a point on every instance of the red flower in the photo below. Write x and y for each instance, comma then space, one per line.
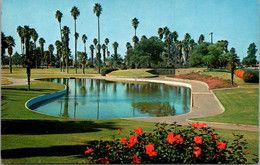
150, 150
119, 130
247, 152
221, 145
104, 160
197, 140
231, 149
88, 150
198, 125
170, 138
132, 140
124, 140
138, 131
107, 146
135, 159
178, 139
197, 151
160, 129
216, 156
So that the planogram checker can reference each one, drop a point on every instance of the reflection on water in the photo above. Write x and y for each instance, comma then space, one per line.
101, 99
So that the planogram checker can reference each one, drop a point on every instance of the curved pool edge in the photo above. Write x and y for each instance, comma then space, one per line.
44, 97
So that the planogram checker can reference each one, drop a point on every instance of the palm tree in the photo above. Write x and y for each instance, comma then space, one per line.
58, 16
82, 59
34, 37
104, 52
98, 10
115, 46
106, 42
41, 42
91, 47
185, 47
66, 31
135, 23
84, 38
160, 32
27, 61
51, 48
95, 41
75, 13
20, 33
10, 43
201, 39
58, 45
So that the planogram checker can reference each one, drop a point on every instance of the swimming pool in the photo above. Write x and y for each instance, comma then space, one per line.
103, 99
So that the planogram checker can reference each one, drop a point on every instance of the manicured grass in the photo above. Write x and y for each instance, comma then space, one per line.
241, 106
132, 73
51, 72
5, 81
227, 75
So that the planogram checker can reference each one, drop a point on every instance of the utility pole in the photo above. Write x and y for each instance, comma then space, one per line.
211, 33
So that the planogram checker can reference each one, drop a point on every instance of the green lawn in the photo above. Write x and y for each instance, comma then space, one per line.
241, 106
51, 72
29, 137
132, 73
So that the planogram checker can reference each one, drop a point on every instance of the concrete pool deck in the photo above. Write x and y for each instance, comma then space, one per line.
204, 103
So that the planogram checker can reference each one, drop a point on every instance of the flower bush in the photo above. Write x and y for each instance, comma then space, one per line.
239, 73
213, 82
250, 76
196, 143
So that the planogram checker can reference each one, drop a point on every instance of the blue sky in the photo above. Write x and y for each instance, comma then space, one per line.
234, 20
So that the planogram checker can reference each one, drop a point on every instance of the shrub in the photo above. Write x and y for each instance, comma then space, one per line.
196, 143
239, 73
105, 71
250, 76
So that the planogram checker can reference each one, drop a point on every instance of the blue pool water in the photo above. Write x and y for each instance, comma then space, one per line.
101, 99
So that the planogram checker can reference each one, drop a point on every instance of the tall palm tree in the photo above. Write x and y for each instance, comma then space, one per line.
76, 60
104, 52
41, 42
66, 31
84, 39
98, 10
115, 46
135, 23
75, 13
20, 33
106, 42
91, 47
95, 41
27, 61
51, 48
10, 43
58, 16
185, 47
98, 57
201, 39
58, 45
34, 37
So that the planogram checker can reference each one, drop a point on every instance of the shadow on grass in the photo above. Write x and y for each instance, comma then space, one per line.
37, 127
66, 150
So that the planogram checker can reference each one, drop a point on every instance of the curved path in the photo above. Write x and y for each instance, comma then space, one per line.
204, 103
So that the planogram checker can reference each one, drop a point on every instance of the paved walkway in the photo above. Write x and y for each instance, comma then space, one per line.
204, 103
15, 81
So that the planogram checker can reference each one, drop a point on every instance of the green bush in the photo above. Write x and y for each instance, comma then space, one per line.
251, 76
105, 71
195, 144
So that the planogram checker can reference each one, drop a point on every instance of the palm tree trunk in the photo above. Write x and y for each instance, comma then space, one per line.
21, 47
10, 63
60, 62
60, 33
75, 47
67, 60
28, 71
99, 47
